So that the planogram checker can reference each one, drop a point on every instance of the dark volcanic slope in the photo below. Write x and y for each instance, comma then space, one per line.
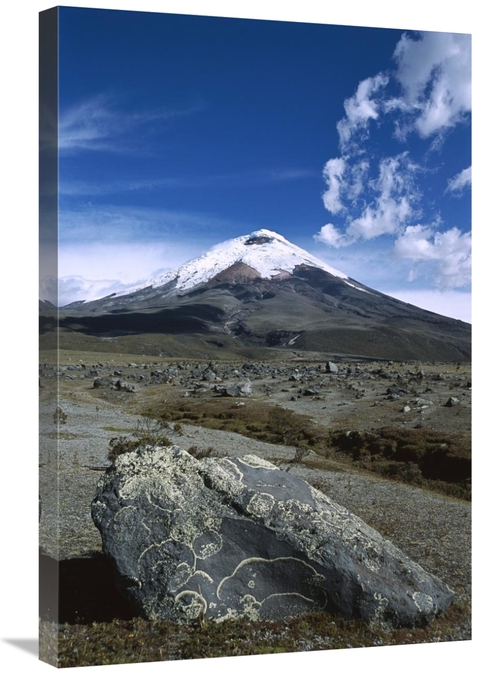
308, 310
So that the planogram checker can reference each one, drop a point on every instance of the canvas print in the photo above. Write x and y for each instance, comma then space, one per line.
255, 337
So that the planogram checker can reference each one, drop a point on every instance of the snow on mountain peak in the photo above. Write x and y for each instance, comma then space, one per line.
265, 251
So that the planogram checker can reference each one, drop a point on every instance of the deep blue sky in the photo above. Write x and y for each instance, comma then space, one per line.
177, 132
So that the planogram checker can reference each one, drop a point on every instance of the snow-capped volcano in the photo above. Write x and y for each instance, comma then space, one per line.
267, 253
260, 291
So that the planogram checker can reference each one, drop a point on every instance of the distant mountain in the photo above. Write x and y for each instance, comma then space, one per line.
260, 290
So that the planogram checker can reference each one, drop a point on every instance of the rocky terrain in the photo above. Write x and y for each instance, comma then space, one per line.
389, 441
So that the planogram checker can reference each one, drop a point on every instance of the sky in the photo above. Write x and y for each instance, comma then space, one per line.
178, 132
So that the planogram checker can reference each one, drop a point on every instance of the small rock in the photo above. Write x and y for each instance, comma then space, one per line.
422, 402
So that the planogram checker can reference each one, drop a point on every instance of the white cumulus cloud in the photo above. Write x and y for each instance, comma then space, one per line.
446, 256
386, 206
375, 192
360, 108
435, 74
391, 208
332, 173
386, 217
330, 236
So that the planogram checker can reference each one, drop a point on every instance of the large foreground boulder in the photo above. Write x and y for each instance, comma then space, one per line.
239, 538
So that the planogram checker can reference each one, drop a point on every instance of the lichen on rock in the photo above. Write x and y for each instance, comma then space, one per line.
239, 538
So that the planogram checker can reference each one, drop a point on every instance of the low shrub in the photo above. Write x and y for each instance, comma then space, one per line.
59, 416
148, 433
290, 428
416, 455
201, 452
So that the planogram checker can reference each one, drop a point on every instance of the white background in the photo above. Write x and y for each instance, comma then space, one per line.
19, 299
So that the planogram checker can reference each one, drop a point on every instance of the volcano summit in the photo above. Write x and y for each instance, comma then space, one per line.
261, 291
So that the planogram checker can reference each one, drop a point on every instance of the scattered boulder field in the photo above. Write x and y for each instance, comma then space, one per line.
367, 394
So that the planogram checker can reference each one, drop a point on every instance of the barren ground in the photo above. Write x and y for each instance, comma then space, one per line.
432, 528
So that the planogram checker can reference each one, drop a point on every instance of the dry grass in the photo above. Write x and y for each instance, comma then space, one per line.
440, 461
138, 640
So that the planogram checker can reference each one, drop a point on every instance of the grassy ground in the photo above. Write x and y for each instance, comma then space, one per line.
436, 460
137, 640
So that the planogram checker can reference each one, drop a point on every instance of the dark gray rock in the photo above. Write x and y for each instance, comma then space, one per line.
121, 385
239, 538
331, 367
117, 384
227, 391
396, 390
101, 381
451, 402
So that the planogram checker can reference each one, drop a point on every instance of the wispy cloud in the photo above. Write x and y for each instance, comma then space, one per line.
460, 182
80, 188
112, 223
99, 125
286, 175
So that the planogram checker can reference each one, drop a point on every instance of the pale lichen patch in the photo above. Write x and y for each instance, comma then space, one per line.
378, 617
261, 504
193, 610
224, 477
208, 544
423, 601
257, 462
